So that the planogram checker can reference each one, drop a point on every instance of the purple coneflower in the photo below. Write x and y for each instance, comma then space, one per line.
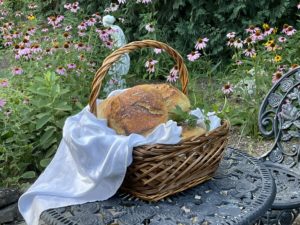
281, 39
194, 55
68, 28
71, 66
150, 62
157, 50
257, 35
290, 31
60, 70
75, 7
227, 89
2, 103
276, 76
151, 68
17, 71
4, 83
201, 43
82, 26
173, 76
149, 27
238, 43
231, 35
250, 52
91, 22
230, 42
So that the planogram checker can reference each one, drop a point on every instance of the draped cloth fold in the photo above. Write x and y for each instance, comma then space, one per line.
89, 165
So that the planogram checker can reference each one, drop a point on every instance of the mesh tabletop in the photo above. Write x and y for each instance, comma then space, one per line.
241, 191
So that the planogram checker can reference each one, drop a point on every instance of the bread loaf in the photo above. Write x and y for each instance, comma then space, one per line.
136, 110
188, 132
171, 96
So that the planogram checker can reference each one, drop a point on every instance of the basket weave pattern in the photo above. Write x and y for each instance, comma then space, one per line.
160, 170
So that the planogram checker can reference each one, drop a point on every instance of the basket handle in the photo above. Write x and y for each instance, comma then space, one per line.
114, 56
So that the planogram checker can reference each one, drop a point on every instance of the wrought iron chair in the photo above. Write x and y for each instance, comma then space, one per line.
279, 117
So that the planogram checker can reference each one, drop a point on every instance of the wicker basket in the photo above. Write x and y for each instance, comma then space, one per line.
160, 170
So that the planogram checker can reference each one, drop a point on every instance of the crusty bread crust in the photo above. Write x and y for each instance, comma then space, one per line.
172, 96
136, 110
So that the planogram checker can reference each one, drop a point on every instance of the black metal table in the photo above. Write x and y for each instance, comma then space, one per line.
241, 191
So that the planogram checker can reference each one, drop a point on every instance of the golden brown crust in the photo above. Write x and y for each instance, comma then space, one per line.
171, 96
192, 132
136, 110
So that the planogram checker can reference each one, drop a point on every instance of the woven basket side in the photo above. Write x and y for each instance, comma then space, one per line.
162, 170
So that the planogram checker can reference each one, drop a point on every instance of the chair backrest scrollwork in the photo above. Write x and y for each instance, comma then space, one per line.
279, 117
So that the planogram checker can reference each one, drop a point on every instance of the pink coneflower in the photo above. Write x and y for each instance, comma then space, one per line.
82, 26
79, 46
4, 83
1, 2
239, 62
249, 41
298, 6
81, 33
251, 29
201, 43
151, 68
71, 66
23, 50
109, 44
17, 71
150, 62
36, 48
194, 55
60, 70
230, 42
276, 76
238, 43
231, 35
268, 31
173, 76
257, 35
45, 30
281, 68
8, 43
103, 34
68, 28
75, 7
149, 27
227, 88
97, 15
68, 6
91, 22
2, 103
281, 39
17, 34
250, 52
157, 50
290, 31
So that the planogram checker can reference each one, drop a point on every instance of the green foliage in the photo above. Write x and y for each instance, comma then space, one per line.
182, 117
183, 21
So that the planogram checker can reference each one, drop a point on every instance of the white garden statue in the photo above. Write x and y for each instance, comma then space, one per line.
121, 67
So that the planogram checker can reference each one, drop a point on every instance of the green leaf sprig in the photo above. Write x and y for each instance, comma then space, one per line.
182, 117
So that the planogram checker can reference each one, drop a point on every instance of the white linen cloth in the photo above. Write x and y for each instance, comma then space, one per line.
89, 165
